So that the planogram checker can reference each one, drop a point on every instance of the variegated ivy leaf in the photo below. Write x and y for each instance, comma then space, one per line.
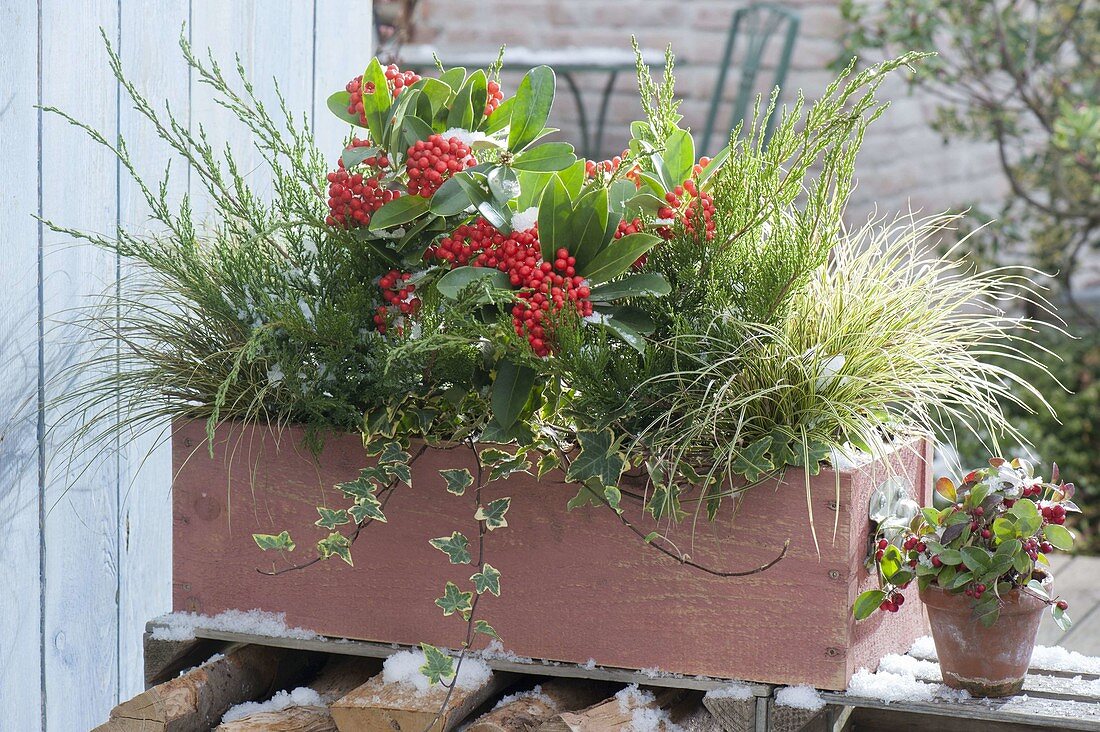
492, 456
487, 580
456, 547
392, 452
493, 514
548, 462
598, 458
331, 519
484, 628
368, 481
455, 601
279, 542
367, 508
438, 666
458, 480
507, 467
665, 501
753, 461
585, 496
335, 545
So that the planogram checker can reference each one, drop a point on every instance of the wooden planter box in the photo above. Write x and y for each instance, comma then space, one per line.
575, 585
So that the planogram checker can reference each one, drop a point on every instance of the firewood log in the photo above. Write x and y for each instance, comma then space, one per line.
530, 709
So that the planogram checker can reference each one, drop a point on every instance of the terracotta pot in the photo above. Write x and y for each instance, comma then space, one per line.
984, 661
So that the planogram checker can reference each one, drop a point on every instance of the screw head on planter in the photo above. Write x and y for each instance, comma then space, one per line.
990, 540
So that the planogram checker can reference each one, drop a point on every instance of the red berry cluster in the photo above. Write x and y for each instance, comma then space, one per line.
1034, 546
466, 243
398, 293
432, 161
494, 97
1054, 514
396, 79
354, 196
545, 288
894, 600
676, 210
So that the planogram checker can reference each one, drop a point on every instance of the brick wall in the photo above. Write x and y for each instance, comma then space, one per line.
904, 163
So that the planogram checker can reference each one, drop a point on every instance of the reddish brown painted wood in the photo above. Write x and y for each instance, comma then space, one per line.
578, 585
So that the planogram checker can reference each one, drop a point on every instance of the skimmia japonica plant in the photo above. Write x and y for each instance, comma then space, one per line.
451, 277
991, 538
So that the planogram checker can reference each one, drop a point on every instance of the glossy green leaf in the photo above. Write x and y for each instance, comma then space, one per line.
377, 103
338, 105
511, 390
891, 561
398, 211
452, 198
555, 210
1059, 536
550, 156
587, 227
458, 279
500, 117
618, 257
356, 155
664, 501
977, 560
679, 156
454, 78
867, 603
462, 109
533, 99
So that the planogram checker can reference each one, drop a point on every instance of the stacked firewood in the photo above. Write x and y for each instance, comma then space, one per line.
248, 688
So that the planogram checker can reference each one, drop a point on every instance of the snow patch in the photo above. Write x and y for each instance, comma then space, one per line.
181, 626
1057, 658
909, 666
496, 651
525, 219
644, 718
733, 690
589, 664
300, 697
534, 694
924, 647
890, 687
403, 667
799, 697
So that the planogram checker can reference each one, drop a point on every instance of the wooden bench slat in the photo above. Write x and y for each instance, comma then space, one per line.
534, 667
1053, 713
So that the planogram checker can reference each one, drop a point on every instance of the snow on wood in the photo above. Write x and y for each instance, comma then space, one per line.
400, 698
196, 700
306, 708
181, 626
527, 710
634, 709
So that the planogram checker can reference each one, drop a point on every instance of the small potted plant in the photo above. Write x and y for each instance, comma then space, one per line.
981, 567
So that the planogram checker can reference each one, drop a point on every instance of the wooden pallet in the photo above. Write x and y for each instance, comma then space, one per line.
572, 698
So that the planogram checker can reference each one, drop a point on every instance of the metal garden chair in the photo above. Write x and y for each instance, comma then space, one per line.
760, 25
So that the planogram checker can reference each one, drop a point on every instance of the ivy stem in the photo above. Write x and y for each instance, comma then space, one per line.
681, 558
481, 531
384, 494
